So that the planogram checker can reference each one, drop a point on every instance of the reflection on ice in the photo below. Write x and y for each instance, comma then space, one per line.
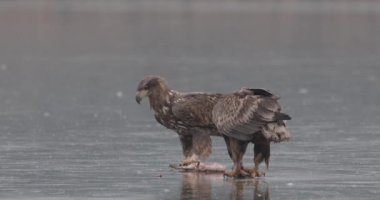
201, 186
196, 186
255, 189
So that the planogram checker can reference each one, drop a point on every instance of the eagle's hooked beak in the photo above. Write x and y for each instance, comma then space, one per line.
140, 95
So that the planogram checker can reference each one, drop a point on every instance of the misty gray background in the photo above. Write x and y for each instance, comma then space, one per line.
70, 127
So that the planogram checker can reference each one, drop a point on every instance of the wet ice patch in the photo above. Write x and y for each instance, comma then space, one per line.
290, 184
351, 139
372, 78
120, 94
3, 67
303, 91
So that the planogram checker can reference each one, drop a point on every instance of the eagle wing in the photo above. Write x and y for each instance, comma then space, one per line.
195, 109
245, 113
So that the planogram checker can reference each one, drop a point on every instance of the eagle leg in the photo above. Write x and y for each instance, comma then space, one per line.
236, 150
253, 172
257, 173
187, 163
188, 151
261, 153
236, 172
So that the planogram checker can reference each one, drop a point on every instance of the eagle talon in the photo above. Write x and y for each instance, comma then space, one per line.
248, 170
252, 172
236, 174
229, 174
189, 162
257, 173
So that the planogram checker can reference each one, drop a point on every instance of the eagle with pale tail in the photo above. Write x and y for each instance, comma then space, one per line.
248, 115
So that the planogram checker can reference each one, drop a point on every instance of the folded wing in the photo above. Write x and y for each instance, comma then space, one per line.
245, 114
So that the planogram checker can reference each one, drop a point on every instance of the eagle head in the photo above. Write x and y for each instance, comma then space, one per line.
148, 85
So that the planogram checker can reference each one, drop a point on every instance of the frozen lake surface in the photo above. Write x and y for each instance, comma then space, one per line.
70, 127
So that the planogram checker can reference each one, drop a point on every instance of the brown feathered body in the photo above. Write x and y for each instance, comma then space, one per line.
250, 115
188, 114
245, 114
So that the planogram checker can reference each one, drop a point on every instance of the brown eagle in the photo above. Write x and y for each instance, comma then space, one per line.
188, 114
249, 115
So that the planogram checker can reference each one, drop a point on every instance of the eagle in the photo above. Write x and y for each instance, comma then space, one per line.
188, 114
242, 117
250, 116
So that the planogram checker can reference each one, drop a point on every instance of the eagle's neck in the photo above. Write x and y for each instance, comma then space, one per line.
161, 98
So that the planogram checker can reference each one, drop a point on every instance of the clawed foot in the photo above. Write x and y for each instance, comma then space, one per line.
245, 173
188, 162
236, 174
257, 173
254, 172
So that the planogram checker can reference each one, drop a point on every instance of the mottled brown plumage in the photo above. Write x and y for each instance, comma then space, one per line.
188, 114
250, 115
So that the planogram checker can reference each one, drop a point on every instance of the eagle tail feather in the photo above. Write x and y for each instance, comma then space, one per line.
282, 116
